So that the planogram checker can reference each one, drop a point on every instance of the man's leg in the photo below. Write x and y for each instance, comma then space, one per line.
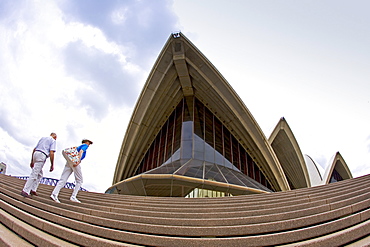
79, 180
37, 183
63, 179
38, 179
39, 161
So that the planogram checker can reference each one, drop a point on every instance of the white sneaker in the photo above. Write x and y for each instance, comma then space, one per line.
74, 199
55, 198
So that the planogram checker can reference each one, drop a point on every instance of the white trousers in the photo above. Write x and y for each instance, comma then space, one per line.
65, 175
36, 174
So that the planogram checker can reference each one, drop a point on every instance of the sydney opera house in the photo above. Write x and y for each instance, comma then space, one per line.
191, 135
195, 169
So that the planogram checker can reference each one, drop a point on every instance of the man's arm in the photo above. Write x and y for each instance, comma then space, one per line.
51, 161
32, 164
79, 156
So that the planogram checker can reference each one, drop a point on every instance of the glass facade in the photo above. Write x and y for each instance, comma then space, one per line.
194, 136
335, 177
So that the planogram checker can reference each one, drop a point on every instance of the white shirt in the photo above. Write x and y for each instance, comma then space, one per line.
45, 145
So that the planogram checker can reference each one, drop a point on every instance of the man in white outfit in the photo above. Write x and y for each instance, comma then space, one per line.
44, 149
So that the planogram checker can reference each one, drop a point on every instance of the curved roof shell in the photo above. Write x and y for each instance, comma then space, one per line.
338, 165
181, 70
315, 172
290, 156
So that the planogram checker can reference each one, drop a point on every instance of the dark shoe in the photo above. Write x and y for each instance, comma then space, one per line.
24, 194
33, 193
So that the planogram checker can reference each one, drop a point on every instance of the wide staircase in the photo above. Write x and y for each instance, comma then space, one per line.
337, 214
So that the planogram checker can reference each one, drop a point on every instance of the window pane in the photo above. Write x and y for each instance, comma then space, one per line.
199, 119
209, 127
162, 142
199, 151
178, 121
243, 161
213, 173
170, 130
188, 103
235, 152
193, 169
218, 136
227, 144
250, 167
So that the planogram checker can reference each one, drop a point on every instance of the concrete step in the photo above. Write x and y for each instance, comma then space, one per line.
251, 240
344, 216
214, 218
219, 219
28, 231
311, 192
48, 233
9, 238
249, 207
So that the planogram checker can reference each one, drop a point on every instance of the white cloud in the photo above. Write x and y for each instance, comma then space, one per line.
39, 94
119, 16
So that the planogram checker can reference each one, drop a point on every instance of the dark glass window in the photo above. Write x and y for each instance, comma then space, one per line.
257, 173
218, 136
250, 167
169, 141
150, 158
236, 152
187, 110
162, 143
208, 127
199, 119
227, 144
243, 162
155, 153
178, 121
335, 177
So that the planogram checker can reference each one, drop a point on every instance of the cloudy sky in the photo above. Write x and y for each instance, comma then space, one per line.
77, 68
